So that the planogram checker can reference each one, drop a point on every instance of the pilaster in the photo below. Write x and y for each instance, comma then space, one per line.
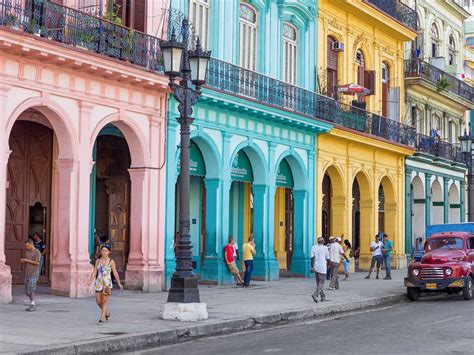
427, 199
408, 213
446, 200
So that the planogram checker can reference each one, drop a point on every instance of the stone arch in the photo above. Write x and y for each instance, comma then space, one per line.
437, 203
337, 200
297, 168
257, 161
58, 118
454, 204
210, 154
390, 210
136, 140
417, 205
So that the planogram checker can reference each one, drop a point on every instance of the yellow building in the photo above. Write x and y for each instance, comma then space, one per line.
360, 172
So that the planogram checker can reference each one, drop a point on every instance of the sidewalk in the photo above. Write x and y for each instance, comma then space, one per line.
65, 325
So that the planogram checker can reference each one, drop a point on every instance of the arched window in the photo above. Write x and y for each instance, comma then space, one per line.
435, 40
452, 50
360, 60
290, 45
248, 36
198, 11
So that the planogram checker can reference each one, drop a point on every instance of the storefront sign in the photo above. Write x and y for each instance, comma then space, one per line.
241, 169
284, 176
196, 161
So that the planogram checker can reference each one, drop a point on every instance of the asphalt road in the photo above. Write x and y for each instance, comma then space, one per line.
437, 326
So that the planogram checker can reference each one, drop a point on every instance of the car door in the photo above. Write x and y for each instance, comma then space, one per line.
470, 251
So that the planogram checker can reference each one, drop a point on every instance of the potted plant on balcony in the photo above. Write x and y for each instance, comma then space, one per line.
11, 21
35, 28
442, 84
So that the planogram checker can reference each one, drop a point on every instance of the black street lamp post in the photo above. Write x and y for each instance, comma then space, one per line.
466, 149
191, 67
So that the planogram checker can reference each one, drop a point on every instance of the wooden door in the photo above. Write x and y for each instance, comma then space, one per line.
289, 226
326, 208
29, 183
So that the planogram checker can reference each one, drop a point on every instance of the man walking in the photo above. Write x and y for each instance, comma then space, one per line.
387, 254
32, 269
376, 249
230, 261
319, 258
335, 259
248, 250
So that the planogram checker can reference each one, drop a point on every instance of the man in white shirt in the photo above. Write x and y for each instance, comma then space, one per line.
336, 254
319, 258
376, 249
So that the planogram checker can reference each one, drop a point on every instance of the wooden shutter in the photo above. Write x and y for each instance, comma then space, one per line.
360, 75
369, 81
332, 54
139, 21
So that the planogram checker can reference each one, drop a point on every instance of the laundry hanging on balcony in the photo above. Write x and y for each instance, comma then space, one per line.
351, 89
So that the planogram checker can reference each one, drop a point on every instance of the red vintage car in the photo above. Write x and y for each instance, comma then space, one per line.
447, 266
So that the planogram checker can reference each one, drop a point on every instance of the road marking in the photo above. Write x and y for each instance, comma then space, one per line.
446, 320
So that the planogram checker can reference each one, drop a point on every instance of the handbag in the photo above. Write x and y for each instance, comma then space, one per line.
107, 290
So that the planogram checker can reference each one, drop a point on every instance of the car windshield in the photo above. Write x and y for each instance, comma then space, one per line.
446, 243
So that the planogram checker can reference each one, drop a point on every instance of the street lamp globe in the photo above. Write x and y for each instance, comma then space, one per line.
172, 57
198, 61
466, 143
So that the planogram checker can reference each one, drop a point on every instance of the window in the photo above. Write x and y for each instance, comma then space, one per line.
434, 40
198, 11
248, 36
360, 58
452, 50
289, 53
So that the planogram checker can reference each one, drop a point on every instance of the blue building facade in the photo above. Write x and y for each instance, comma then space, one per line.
253, 159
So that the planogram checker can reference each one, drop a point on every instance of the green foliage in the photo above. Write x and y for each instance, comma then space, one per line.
442, 84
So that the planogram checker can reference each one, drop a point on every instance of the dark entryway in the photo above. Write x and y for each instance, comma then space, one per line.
326, 208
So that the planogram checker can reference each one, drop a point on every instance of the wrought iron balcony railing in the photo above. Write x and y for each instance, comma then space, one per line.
443, 81
237, 80
438, 148
72, 27
398, 10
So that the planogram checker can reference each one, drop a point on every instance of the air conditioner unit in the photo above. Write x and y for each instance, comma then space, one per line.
338, 46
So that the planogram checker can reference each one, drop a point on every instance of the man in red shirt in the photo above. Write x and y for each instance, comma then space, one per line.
230, 262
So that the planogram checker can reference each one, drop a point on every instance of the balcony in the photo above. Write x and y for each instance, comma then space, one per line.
438, 148
418, 68
398, 10
75, 28
235, 80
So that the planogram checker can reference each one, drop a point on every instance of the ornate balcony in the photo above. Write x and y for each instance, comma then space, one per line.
418, 68
434, 146
398, 10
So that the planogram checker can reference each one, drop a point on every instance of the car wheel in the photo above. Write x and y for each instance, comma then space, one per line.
467, 289
413, 293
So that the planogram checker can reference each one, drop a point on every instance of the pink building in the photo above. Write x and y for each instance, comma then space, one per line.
82, 137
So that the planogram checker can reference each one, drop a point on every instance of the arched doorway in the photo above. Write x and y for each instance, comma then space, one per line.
388, 211
241, 199
28, 197
417, 209
381, 210
333, 204
284, 216
356, 219
111, 196
197, 191
437, 203
363, 219
454, 204
326, 208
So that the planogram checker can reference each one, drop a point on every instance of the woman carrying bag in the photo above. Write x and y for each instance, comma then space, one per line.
103, 269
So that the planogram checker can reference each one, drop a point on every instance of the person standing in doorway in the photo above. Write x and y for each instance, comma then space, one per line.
336, 255
103, 268
347, 248
41, 246
248, 250
32, 269
230, 261
376, 249
319, 259
387, 254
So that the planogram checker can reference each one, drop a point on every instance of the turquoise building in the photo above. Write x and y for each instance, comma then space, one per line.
253, 161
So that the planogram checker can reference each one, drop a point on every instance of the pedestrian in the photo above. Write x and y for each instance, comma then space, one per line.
387, 250
32, 269
41, 246
248, 250
336, 255
347, 248
319, 258
328, 273
103, 269
230, 261
376, 249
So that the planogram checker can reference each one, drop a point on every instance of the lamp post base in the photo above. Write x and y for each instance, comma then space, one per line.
185, 312
184, 289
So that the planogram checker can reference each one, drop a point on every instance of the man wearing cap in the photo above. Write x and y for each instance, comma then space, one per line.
336, 254
319, 257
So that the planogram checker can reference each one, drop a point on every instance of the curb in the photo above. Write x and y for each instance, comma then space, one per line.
141, 341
